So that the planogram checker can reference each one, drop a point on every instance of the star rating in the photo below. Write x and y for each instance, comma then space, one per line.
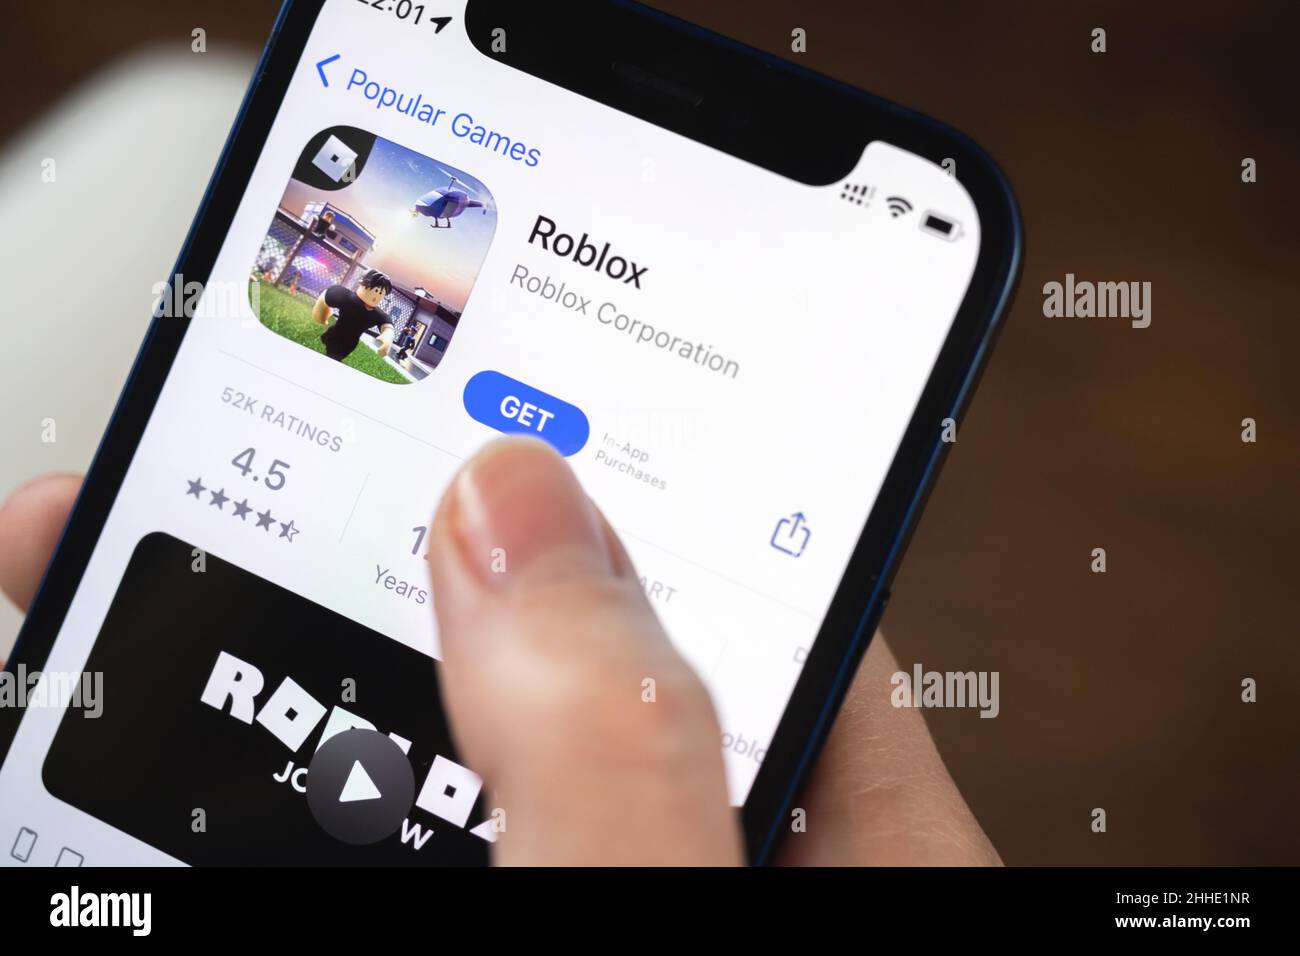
242, 509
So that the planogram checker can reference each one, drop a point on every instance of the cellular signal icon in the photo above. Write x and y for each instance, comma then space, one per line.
860, 194
898, 206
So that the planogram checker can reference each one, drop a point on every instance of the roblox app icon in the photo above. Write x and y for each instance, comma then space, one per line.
371, 254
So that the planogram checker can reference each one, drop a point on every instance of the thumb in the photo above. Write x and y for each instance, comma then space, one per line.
548, 645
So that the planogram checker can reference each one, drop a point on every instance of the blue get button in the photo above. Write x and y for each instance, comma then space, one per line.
510, 406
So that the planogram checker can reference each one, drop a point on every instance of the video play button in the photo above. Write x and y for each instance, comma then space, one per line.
360, 786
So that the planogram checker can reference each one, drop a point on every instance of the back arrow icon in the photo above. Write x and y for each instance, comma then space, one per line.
320, 67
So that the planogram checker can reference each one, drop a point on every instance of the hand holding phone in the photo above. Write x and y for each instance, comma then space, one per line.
880, 795
746, 345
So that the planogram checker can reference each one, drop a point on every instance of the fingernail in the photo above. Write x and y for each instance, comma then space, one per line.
521, 516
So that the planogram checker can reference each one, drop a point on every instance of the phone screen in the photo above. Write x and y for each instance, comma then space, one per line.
435, 249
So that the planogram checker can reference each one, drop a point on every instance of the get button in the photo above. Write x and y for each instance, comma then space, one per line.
512, 407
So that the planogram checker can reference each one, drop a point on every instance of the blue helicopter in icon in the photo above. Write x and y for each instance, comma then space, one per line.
444, 205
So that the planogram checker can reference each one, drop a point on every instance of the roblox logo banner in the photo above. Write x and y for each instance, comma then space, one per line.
222, 689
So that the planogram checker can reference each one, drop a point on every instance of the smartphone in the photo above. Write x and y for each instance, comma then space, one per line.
748, 303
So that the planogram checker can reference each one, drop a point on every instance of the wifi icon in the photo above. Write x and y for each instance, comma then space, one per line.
898, 206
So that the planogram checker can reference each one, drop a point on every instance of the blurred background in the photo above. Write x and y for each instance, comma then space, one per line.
1119, 690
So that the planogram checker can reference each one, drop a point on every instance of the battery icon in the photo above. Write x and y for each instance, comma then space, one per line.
941, 226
